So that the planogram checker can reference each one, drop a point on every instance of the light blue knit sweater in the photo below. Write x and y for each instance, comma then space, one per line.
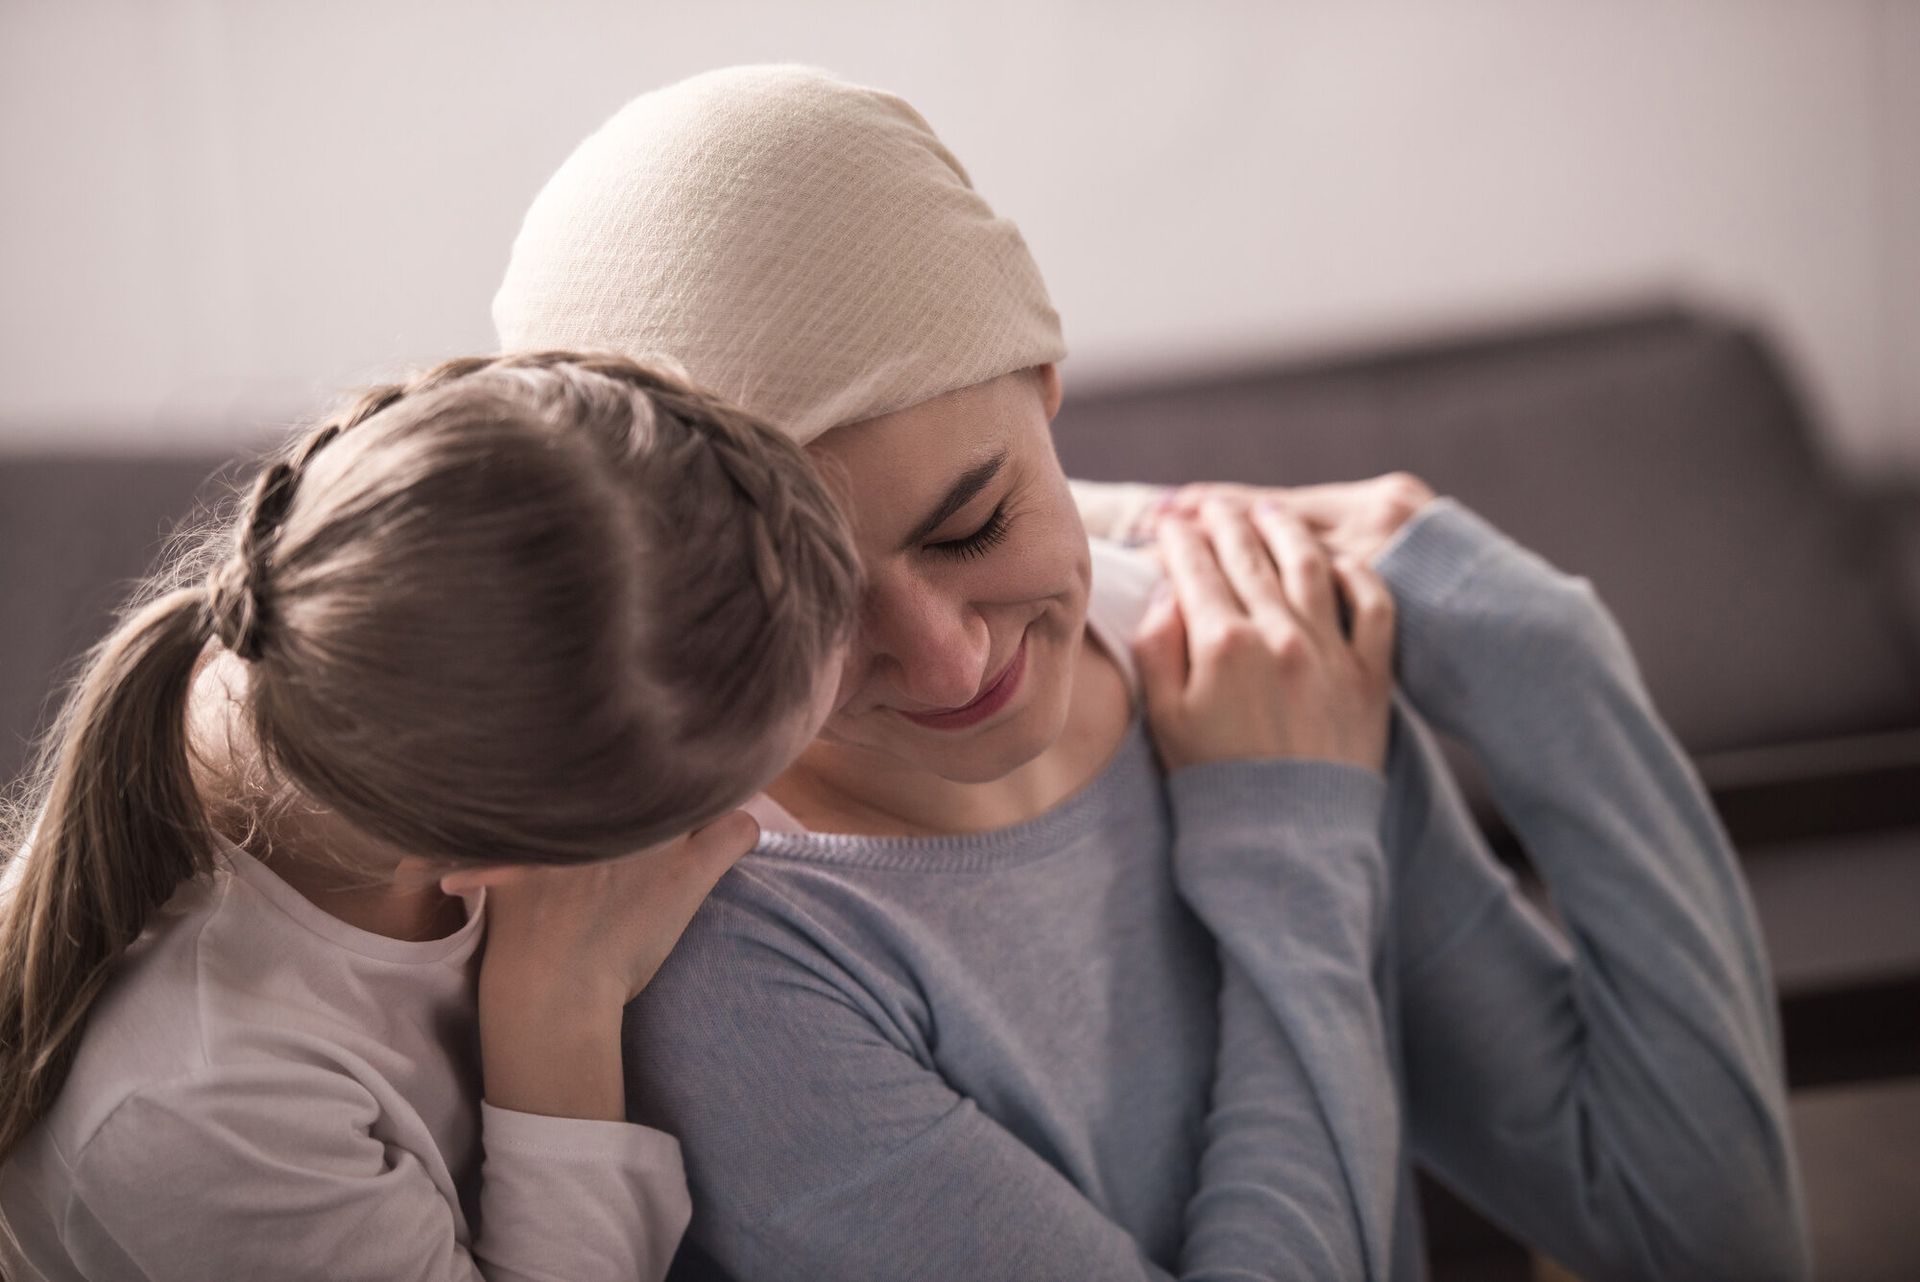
1203, 1026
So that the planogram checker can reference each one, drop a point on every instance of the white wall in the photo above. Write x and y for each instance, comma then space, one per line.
215, 210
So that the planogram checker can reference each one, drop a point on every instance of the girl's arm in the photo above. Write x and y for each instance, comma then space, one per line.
567, 948
282, 1170
1613, 1094
287, 1167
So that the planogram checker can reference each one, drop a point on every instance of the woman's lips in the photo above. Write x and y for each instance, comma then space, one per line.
991, 700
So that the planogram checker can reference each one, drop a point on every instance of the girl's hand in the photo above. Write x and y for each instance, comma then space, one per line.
1246, 659
1354, 519
567, 948
600, 931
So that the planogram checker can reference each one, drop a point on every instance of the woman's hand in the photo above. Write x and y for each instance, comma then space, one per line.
1354, 519
1245, 657
567, 948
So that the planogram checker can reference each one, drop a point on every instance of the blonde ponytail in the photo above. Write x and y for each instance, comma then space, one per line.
117, 780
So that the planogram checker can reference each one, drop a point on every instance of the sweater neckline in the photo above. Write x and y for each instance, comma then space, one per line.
1117, 596
1025, 842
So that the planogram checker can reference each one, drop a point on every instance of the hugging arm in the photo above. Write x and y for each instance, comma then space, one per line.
278, 1172
822, 1144
1282, 861
1613, 1095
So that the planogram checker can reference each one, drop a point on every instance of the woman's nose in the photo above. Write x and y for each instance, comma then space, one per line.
932, 646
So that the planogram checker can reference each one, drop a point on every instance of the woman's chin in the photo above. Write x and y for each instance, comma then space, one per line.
992, 755
996, 748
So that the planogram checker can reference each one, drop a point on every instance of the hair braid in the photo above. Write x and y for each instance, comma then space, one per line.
237, 587
738, 444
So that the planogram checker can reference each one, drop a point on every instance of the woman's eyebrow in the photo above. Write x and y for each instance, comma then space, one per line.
958, 495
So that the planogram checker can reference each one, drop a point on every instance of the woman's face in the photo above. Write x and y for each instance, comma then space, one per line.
977, 572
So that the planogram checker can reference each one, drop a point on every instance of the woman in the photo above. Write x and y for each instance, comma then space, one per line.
469, 644
1002, 995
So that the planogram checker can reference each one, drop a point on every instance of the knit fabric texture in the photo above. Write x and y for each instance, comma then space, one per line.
804, 246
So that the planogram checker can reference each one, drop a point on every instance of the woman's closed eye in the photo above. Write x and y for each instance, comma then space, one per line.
981, 541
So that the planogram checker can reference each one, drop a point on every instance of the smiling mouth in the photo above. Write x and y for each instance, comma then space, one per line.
990, 700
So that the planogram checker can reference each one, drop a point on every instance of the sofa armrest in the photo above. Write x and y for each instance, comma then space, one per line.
1894, 509
1792, 792
1827, 788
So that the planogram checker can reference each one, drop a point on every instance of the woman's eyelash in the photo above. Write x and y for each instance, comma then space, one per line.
981, 541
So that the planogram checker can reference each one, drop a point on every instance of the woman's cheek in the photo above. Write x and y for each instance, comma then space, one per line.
1052, 559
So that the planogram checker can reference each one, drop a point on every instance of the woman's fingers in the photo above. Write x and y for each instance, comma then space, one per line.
1160, 652
1370, 604
1305, 574
1246, 562
1206, 598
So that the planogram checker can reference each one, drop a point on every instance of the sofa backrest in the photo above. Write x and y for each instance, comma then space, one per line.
1661, 454
76, 534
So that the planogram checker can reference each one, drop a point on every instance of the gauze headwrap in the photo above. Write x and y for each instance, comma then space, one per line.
802, 246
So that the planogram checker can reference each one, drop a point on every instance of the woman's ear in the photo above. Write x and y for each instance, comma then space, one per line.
1049, 379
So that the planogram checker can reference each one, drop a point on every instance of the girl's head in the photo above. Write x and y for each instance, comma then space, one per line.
922, 349
533, 609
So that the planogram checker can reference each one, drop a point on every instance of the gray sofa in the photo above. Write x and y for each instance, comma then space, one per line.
1775, 610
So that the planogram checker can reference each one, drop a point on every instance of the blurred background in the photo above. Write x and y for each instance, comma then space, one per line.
217, 210
1640, 282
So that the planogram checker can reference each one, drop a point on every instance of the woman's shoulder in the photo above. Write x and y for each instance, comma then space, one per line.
1123, 582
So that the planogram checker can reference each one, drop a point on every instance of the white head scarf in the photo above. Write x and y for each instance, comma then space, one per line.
803, 246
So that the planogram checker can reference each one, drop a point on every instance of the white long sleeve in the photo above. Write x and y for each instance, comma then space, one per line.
265, 1091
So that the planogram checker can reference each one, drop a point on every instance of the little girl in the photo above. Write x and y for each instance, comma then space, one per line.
462, 654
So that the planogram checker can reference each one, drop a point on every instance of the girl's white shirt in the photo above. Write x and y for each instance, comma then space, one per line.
267, 1091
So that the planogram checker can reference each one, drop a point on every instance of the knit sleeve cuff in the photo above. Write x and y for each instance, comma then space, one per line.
1283, 855
1306, 796
1430, 556
1475, 612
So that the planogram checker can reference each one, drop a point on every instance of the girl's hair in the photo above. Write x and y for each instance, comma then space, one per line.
539, 608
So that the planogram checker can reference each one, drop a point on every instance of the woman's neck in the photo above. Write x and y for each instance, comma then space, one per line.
850, 790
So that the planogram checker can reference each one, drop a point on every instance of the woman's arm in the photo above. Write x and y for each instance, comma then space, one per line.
1282, 861
1615, 1096
1273, 721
